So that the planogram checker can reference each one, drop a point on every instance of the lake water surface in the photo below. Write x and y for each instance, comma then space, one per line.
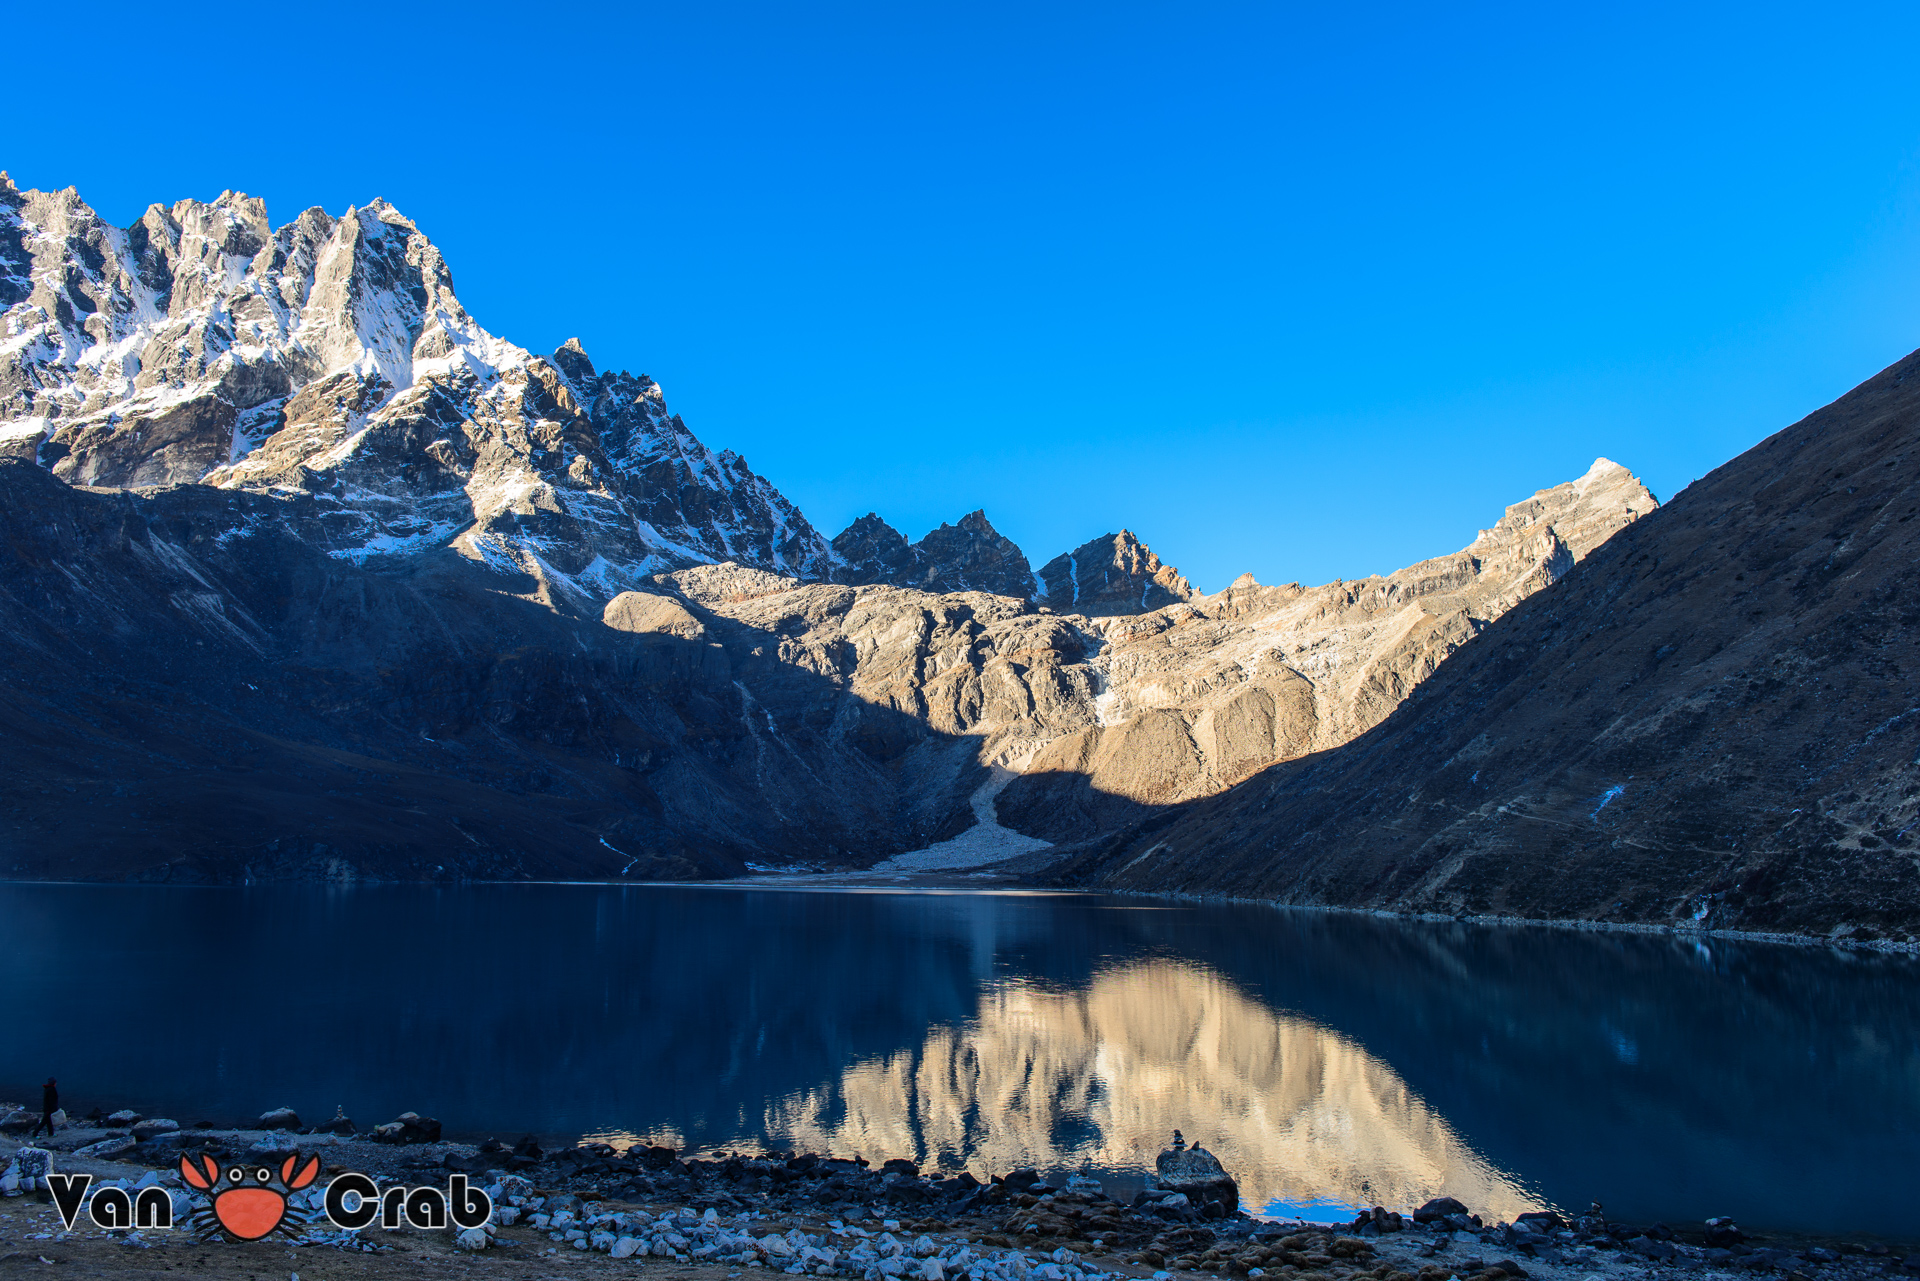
1331, 1061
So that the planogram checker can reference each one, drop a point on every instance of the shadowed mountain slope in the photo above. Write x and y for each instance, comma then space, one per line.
1712, 719
190, 691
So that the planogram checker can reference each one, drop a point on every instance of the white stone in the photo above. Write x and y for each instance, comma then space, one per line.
626, 1247
471, 1239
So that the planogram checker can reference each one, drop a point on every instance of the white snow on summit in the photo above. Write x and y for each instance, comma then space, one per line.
331, 359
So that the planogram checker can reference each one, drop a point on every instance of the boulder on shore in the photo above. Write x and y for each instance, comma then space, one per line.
408, 1127
1440, 1207
1198, 1174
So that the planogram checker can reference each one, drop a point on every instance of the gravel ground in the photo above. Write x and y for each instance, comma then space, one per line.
1041, 1235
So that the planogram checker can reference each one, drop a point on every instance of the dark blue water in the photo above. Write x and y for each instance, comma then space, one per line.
1331, 1061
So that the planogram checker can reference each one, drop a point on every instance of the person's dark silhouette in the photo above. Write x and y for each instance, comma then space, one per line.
49, 1104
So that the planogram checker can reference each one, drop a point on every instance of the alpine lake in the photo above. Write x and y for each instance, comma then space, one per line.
1331, 1061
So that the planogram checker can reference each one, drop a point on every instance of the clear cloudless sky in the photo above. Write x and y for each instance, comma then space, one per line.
1307, 290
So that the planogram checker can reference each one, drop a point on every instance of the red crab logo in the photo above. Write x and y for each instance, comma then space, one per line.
246, 1201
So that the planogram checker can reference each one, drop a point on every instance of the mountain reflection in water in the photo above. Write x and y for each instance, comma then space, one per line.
1327, 1058
1097, 1076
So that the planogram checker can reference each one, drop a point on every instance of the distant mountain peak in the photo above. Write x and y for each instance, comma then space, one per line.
967, 556
572, 360
1112, 574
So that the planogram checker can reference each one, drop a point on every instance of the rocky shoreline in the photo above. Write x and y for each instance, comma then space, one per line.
1580, 924
808, 1214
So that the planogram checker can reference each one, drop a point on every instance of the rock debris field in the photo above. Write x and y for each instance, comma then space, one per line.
591, 1209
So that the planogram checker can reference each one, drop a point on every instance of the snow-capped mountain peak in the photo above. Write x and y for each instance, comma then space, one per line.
331, 358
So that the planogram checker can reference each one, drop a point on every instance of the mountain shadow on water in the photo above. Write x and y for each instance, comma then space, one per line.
1712, 721
190, 691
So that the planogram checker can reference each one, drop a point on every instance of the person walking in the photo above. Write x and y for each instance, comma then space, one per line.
49, 1104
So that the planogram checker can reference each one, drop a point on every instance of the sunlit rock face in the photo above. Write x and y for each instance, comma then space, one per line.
1301, 1116
1106, 714
1112, 574
1202, 694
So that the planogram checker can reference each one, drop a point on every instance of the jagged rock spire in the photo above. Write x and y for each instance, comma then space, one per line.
1112, 574
970, 556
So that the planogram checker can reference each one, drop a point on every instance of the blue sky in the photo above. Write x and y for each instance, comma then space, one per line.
1312, 291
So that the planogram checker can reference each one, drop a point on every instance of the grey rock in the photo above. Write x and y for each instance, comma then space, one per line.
647, 614
1647, 1247
1439, 1208
1198, 1174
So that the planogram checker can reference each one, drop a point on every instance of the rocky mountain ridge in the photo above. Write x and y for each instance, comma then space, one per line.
1097, 720
331, 357
1709, 722
311, 575
971, 556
